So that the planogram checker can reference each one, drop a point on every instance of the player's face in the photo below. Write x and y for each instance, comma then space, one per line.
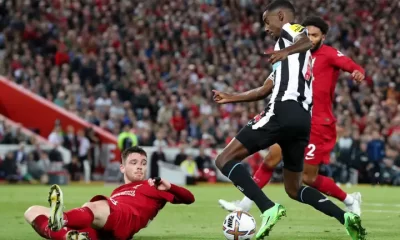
316, 37
273, 23
134, 168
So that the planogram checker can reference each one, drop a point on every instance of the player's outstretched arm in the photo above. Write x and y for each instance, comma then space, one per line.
344, 63
181, 195
249, 96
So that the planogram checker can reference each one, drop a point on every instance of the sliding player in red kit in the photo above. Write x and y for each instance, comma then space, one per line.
327, 63
130, 208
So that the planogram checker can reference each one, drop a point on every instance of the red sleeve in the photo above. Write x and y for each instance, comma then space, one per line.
343, 62
181, 195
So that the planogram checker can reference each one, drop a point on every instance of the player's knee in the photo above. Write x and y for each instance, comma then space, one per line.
100, 210
270, 163
291, 192
91, 205
221, 160
33, 212
309, 179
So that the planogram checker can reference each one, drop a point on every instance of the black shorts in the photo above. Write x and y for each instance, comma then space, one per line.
286, 123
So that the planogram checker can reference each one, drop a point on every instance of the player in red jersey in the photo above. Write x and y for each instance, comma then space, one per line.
327, 63
130, 208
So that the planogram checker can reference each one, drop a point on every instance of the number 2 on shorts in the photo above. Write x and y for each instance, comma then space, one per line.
310, 151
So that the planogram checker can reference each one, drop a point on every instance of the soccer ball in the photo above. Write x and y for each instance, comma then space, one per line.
239, 225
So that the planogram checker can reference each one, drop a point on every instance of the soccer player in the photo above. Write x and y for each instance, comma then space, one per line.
328, 61
130, 208
286, 121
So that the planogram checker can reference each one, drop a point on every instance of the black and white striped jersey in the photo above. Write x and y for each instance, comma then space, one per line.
292, 76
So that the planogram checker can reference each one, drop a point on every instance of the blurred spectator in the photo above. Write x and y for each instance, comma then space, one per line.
56, 136
20, 155
155, 158
70, 140
157, 71
189, 167
160, 141
127, 138
345, 150
83, 154
10, 168
37, 170
203, 161
205, 166
55, 155
94, 149
181, 156
361, 161
74, 169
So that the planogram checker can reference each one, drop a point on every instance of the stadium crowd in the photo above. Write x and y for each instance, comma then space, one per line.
129, 65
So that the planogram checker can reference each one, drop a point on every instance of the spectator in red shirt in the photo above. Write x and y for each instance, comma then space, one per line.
177, 122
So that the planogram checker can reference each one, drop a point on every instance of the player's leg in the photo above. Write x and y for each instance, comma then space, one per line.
90, 214
293, 166
229, 163
261, 177
38, 218
322, 142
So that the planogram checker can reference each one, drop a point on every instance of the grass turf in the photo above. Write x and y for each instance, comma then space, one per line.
203, 219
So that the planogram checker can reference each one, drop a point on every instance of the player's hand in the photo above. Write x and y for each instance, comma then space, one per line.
277, 56
357, 76
221, 97
162, 185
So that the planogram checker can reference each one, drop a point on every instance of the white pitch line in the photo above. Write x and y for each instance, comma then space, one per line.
381, 211
381, 204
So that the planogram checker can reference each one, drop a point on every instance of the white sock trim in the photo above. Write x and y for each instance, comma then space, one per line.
348, 200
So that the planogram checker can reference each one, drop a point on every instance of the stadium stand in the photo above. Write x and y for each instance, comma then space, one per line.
152, 68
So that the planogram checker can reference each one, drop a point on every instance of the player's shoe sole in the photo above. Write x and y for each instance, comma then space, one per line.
353, 226
56, 201
270, 218
75, 235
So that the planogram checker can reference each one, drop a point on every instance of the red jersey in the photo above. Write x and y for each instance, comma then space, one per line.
144, 201
327, 62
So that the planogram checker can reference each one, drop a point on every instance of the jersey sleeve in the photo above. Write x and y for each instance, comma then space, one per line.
291, 31
342, 62
179, 195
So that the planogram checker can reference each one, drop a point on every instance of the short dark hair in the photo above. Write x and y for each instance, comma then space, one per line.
316, 22
281, 4
131, 150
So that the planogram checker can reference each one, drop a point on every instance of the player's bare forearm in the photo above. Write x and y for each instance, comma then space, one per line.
254, 94
302, 44
181, 195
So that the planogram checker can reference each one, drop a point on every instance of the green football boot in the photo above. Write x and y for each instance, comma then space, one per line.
269, 219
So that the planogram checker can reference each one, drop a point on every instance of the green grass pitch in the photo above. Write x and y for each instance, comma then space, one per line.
203, 219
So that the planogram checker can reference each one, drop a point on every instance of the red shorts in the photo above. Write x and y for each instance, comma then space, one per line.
122, 223
322, 141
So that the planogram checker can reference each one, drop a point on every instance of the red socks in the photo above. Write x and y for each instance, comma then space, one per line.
40, 225
329, 187
79, 218
263, 175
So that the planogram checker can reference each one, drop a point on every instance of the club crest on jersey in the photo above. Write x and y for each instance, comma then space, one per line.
296, 28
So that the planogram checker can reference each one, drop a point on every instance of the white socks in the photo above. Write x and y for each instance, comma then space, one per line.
246, 203
348, 200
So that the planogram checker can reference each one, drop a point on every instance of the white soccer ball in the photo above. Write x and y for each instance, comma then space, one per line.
239, 225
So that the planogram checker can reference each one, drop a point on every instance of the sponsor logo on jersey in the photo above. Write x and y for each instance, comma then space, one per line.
296, 28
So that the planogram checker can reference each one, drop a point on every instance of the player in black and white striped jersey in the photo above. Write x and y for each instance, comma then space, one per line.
286, 121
